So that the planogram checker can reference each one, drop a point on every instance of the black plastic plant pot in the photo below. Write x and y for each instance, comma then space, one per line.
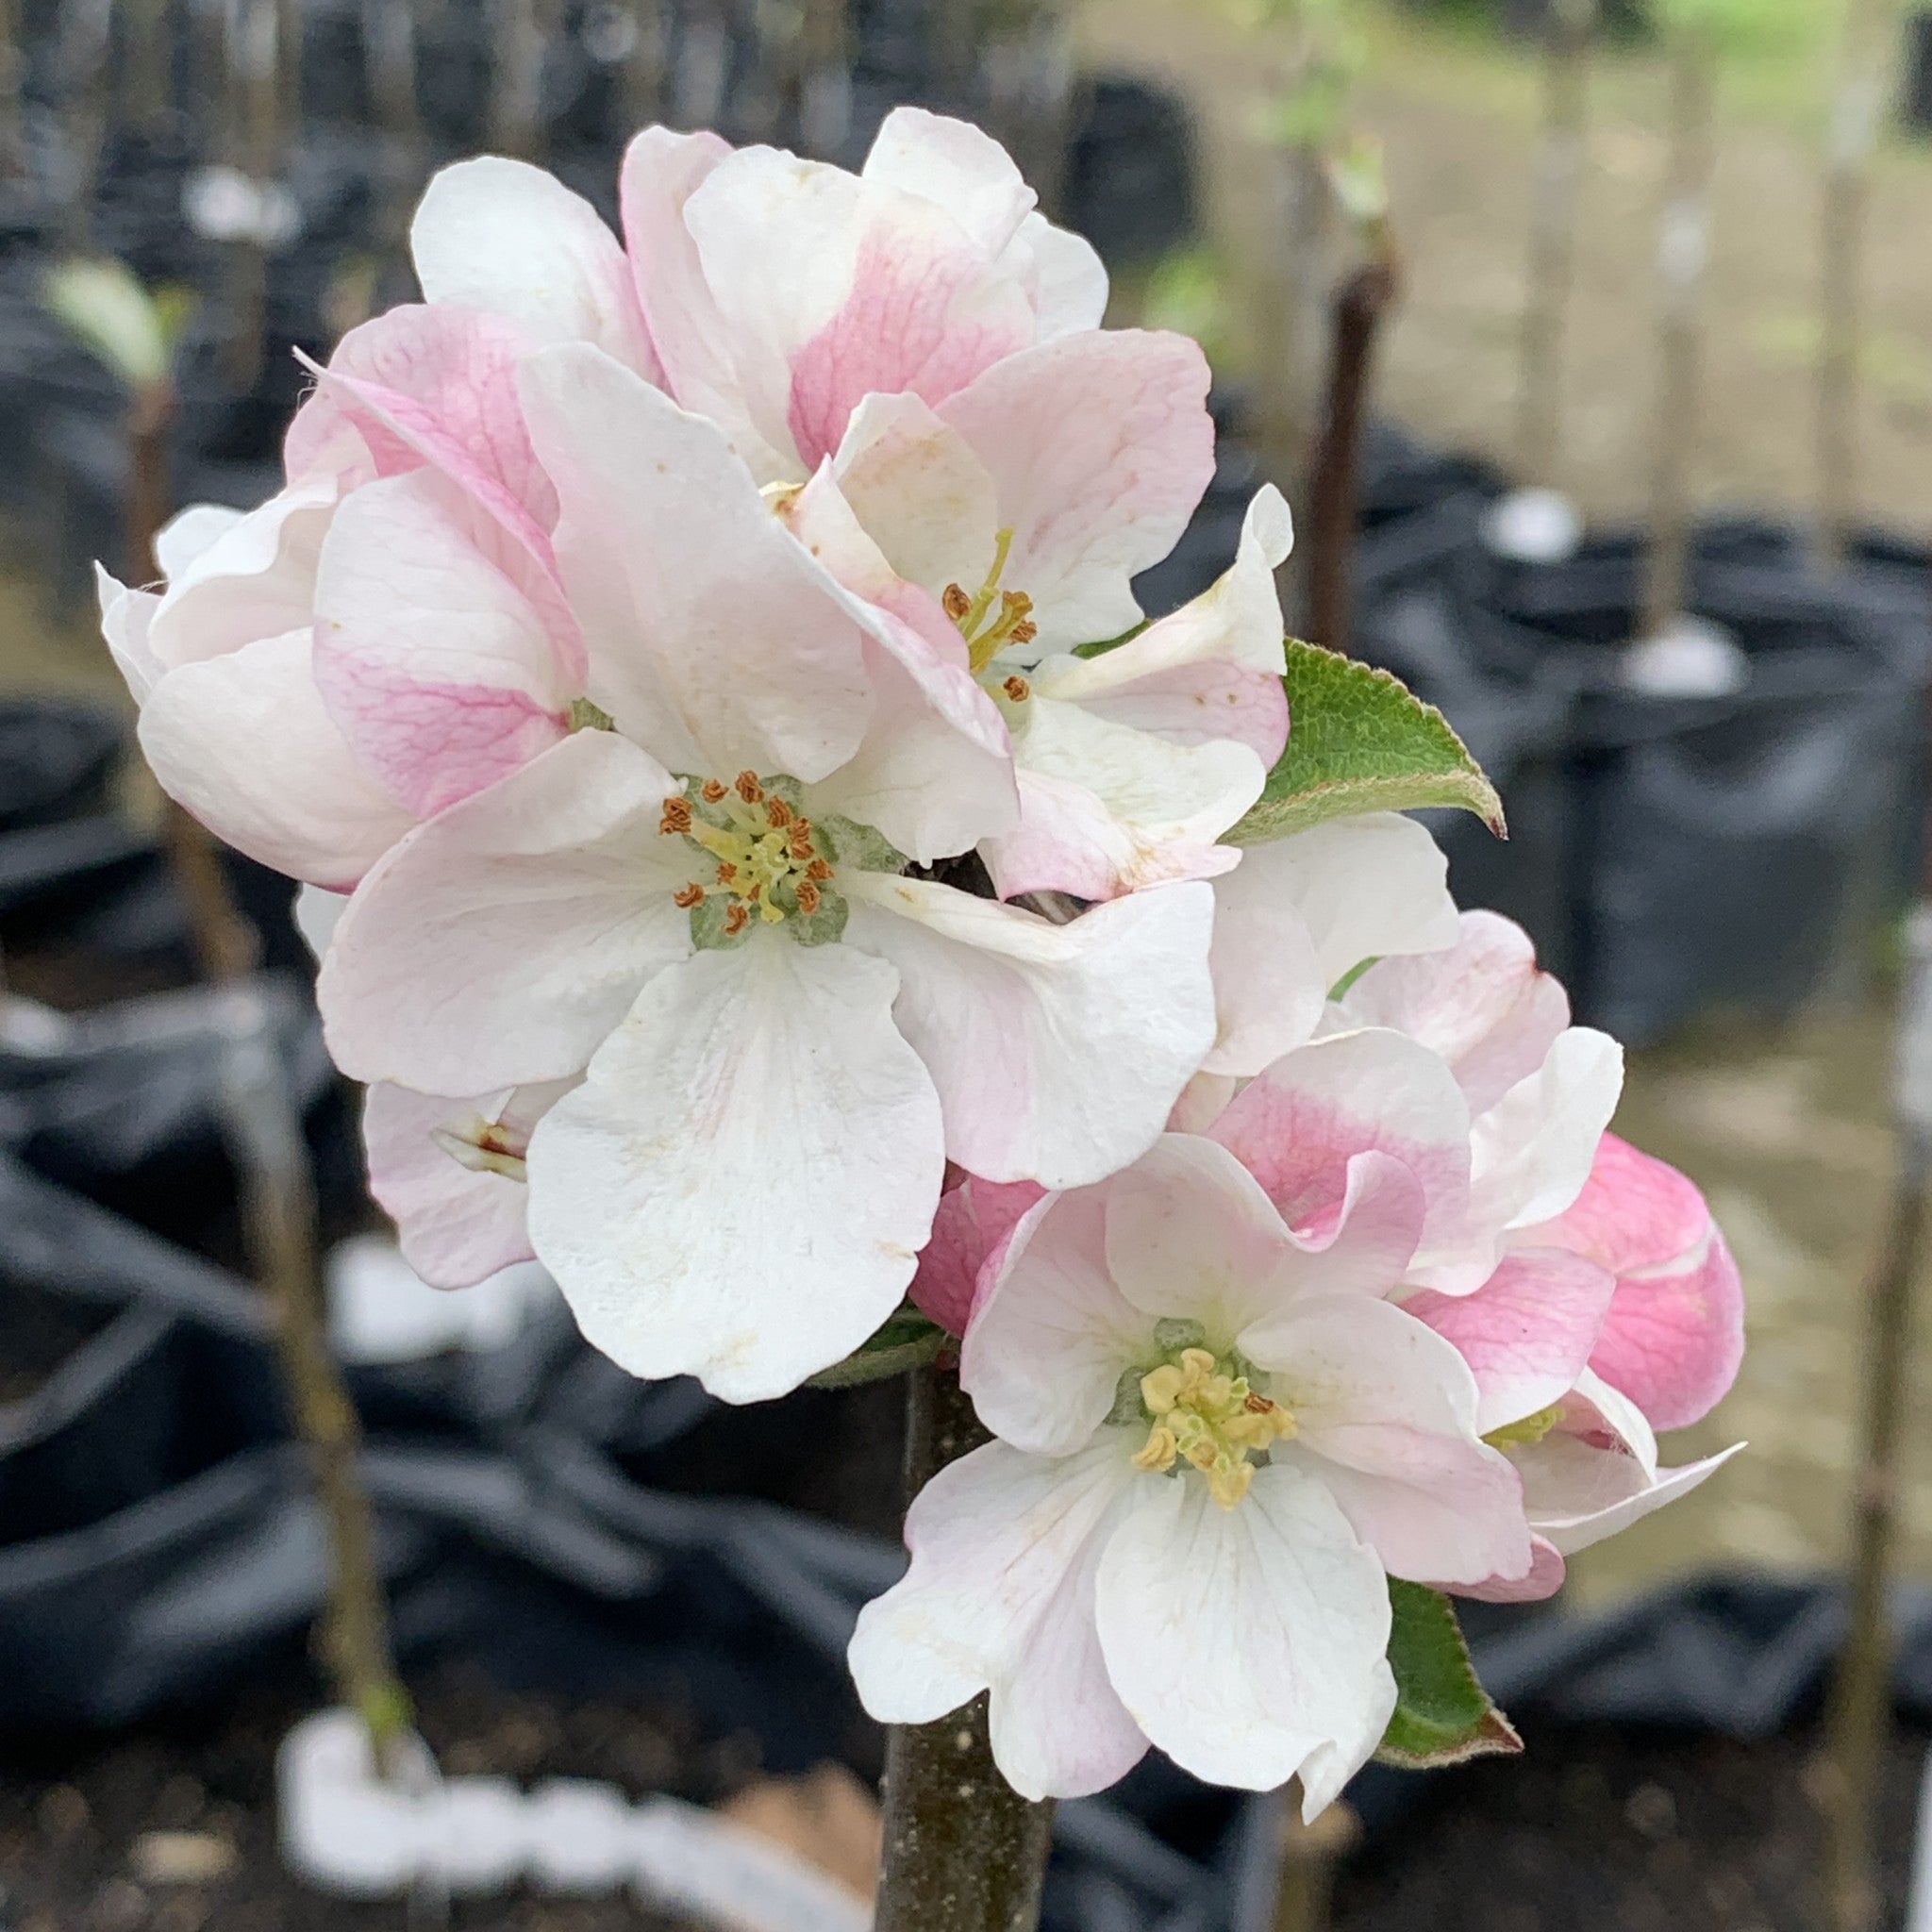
1683, 853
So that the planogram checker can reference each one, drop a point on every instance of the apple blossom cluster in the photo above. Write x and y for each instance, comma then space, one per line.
766, 868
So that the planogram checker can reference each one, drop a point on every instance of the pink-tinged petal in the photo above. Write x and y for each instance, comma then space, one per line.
921, 493
1057, 1049
1526, 1333
1099, 447
715, 639
741, 1187
934, 772
503, 941
1675, 1331
1483, 1005
256, 579
1596, 1472
506, 238
316, 912
1210, 669
1635, 1213
1385, 1415
1248, 1643
829, 288
1190, 1234
1368, 886
1202, 1101
125, 616
1296, 1127
661, 170
1105, 810
970, 1232
1546, 1573
246, 743
1051, 1332
459, 1222
1000, 1597
1270, 985
438, 668
955, 165
1674, 1340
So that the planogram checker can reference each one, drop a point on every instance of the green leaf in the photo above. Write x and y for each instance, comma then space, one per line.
1359, 741
102, 304
1442, 1714
907, 1341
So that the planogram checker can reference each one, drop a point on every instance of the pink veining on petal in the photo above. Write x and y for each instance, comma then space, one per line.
1675, 1334
906, 325
433, 742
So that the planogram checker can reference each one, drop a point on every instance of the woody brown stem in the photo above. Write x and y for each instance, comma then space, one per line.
963, 1851
1361, 305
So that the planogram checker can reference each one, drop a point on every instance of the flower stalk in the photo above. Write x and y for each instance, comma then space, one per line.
963, 1851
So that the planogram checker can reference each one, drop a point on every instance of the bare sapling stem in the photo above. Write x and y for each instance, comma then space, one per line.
644, 64
85, 37
1683, 251
389, 47
1364, 298
1552, 271
963, 1851
265, 1127
1309, 1854
1844, 208
147, 67
516, 94
13, 155
256, 88
825, 98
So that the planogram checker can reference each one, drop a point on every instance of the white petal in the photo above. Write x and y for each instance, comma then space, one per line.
740, 1188
504, 939
1057, 1049
714, 638
506, 238
1270, 985
1367, 886
1246, 1640
190, 531
1385, 1414
1045, 1352
125, 616
1190, 1234
246, 743
955, 164
1000, 1596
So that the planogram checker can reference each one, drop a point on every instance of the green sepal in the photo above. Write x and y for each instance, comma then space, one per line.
587, 716
707, 932
854, 845
1359, 741
1442, 1713
906, 1340
1173, 1333
825, 927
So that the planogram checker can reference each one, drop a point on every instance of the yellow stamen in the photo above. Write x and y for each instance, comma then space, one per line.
1531, 1428
1211, 1419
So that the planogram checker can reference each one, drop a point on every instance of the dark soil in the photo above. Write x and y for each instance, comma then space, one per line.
1594, 1829
1603, 1829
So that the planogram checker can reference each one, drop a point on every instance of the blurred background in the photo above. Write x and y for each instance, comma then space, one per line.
1594, 348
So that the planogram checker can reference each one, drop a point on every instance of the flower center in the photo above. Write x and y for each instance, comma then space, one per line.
762, 855
991, 618
1204, 1411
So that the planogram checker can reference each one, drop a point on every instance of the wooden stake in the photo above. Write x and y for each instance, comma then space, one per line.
963, 1851
1683, 248
1553, 235
1871, 28
256, 82
1309, 1854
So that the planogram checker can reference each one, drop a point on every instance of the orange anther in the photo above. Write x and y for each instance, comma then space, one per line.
818, 870
777, 814
687, 896
749, 789
713, 792
957, 601
726, 871
807, 896
1018, 690
1025, 631
736, 918
676, 815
